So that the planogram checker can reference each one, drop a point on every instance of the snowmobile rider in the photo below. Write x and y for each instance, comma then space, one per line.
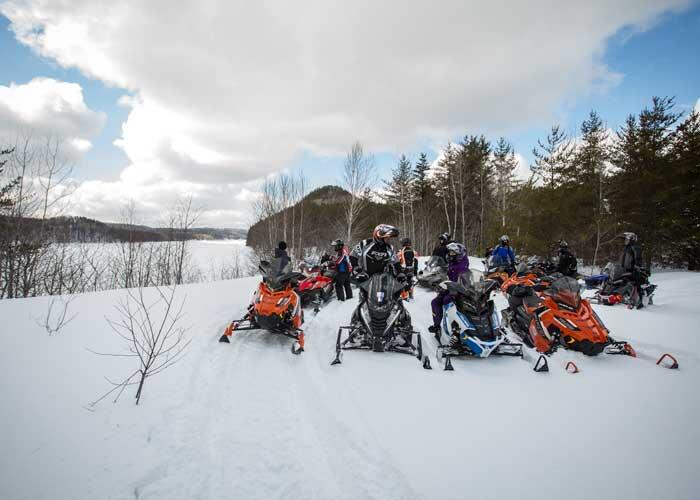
631, 262
341, 263
281, 264
504, 255
373, 255
408, 258
457, 270
441, 249
567, 264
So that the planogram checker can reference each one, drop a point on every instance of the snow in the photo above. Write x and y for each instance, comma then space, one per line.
250, 420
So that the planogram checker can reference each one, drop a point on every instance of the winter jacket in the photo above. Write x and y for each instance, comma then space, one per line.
441, 250
458, 269
631, 258
341, 261
567, 264
372, 257
408, 260
281, 263
503, 254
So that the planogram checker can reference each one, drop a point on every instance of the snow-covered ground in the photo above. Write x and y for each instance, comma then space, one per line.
250, 420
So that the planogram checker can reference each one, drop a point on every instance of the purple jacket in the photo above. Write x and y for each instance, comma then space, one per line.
458, 268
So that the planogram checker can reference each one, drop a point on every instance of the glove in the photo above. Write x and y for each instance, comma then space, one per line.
361, 276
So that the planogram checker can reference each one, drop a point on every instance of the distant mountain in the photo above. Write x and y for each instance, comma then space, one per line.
69, 229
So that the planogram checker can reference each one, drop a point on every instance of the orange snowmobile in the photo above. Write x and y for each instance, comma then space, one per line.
276, 307
559, 317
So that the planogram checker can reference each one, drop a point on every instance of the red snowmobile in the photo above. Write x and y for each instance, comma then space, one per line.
276, 307
317, 287
556, 317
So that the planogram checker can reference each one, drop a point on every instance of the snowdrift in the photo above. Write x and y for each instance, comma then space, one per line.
250, 420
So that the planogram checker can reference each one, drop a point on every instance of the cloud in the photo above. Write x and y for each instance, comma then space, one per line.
45, 106
228, 92
697, 106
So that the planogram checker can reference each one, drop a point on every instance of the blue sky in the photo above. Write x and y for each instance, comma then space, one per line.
662, 61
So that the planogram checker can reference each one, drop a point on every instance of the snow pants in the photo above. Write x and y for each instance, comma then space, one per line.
343, 290
437, 305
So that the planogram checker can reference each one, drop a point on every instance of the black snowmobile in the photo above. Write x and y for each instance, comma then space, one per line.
619, 287
381, 322
434, 272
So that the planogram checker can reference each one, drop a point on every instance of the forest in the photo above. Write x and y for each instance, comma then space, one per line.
586, 189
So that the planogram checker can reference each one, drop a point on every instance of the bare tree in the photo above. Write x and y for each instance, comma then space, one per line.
359, 177
57, 314
154, 336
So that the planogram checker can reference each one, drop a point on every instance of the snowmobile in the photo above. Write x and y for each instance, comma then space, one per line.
559, 317
381, 322
317, 287
276, 307
470, 324
497, 270
619, 287
434, 272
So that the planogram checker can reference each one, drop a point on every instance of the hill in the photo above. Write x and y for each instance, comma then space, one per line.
323, 221
69, 229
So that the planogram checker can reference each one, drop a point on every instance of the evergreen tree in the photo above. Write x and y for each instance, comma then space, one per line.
504, 165
593, 221
399, 192
421, 182
643, 182
553, 159
684, 214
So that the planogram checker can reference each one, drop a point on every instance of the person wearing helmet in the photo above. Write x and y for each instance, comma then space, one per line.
441, 249
373, 255
567, 264
457, 270
408, 258
631, 262
409, 263
281, 263
504, 254
340, 261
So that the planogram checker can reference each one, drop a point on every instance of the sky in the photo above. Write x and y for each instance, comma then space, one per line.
156, 103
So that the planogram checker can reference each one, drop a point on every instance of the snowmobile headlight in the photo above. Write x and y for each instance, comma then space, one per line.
283, 301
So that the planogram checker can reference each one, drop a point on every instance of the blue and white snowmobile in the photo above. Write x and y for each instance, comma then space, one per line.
470, 323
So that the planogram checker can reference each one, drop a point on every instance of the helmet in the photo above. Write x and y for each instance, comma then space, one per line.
563, 244
406, 242
504, 239
384, 231
337, 244
629, 238
282, 245
444, 237
455, 251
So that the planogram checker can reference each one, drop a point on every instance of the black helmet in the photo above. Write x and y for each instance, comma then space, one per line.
282, 245
337, 244
406, 242
444, 237
384, 231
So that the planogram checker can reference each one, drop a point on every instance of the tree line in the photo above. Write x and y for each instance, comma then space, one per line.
586, 189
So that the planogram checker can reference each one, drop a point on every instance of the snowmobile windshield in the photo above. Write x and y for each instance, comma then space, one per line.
566, 290
435, 262
382, 290
496, 261
615, 271
478, 282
